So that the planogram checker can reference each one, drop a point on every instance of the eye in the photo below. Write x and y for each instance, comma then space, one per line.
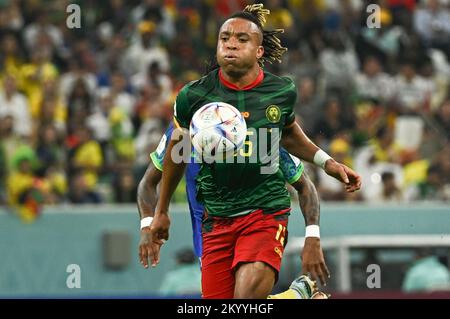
243, 40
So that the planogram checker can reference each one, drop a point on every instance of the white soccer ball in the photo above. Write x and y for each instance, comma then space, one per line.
218, 130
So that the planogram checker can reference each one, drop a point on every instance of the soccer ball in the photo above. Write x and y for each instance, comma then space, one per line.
217, 131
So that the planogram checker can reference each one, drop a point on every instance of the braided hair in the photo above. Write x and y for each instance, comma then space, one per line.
273, 50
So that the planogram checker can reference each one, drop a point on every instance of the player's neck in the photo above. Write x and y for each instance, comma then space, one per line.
242, 81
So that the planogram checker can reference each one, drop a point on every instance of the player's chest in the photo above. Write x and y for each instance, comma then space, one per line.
259, 110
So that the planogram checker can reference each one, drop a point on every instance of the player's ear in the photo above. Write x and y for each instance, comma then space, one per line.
259, 52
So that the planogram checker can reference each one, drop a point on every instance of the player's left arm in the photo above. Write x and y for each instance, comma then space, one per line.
313, 261
298, 144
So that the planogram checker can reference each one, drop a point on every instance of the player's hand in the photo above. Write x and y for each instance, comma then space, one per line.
313, 262
160, 233
160, 227
152, 238
344, 174
148, 249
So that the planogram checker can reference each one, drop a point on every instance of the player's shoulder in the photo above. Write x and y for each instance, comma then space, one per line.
282, 85
280, 81
204, 83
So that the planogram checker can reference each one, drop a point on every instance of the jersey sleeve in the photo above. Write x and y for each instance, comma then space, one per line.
181, 110
157, 156
291, 166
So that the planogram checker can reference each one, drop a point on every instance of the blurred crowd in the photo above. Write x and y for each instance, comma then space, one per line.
82, 108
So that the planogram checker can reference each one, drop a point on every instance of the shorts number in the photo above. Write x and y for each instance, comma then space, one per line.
280, 234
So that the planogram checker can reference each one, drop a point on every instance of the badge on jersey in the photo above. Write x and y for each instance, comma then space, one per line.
273, 113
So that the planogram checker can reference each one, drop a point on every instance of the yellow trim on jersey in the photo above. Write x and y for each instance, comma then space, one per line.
177, 125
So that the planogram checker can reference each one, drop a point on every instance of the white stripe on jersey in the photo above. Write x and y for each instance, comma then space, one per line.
295, 159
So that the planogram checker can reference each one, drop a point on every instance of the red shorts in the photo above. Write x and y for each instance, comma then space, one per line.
230, 241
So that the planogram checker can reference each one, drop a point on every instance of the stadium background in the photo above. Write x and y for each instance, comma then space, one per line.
81, 109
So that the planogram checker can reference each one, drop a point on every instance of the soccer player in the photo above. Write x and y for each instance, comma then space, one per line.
292, 169
246, 212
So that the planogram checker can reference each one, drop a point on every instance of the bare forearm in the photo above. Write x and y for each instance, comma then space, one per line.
147, 195
309, 201
171, 176
146, 201
295, 141
313, 261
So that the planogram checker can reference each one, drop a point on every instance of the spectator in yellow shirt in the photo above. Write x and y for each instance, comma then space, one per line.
33, 76
22, 177
385, 148
87, 156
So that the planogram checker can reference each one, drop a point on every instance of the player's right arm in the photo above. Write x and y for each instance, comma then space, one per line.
147, 198
171, 176
173, 166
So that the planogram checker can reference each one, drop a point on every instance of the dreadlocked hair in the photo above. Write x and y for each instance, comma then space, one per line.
273, 50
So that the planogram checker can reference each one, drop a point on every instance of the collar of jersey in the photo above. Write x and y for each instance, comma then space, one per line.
232, 86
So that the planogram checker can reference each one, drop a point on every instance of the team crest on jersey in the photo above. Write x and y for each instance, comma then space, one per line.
273, 113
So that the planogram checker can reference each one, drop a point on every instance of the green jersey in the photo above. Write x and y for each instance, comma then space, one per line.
232, 189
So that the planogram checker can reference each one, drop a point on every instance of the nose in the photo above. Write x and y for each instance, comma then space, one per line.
232, 44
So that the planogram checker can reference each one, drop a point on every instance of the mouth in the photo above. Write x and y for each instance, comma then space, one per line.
230, 57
